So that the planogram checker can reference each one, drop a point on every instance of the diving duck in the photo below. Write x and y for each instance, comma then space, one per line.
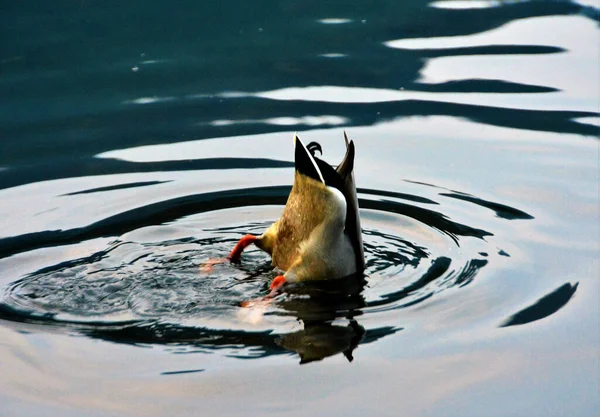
318, 236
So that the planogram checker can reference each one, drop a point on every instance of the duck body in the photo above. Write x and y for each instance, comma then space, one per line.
309, 240
318, 235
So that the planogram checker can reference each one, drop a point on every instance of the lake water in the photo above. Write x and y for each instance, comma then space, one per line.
140, 139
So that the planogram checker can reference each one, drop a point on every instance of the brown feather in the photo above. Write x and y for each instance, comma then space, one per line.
304, 211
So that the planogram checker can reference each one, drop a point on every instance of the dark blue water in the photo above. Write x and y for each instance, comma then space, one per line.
140, 139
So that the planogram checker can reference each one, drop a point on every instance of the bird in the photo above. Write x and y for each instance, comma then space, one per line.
318, 236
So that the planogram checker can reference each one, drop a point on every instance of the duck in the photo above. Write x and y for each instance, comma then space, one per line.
318, 236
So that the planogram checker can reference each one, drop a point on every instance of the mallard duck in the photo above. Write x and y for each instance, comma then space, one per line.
318, 236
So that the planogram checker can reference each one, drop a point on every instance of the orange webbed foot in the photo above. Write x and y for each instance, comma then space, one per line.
234, 255
261, 302
209, 265
276, 285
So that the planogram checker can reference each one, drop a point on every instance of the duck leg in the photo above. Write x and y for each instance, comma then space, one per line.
236, 252
276, 285
234, 255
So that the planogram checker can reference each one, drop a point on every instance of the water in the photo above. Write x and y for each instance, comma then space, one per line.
140, 140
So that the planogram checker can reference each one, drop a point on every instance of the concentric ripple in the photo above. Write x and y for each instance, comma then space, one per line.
157, 283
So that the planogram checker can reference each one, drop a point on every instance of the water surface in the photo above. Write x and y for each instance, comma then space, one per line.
140, 140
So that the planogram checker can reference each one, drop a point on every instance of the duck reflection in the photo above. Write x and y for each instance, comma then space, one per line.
320, 340
318, 305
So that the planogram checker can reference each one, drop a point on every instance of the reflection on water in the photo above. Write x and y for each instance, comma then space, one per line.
319, 340
195, 74
140, 140
545, 306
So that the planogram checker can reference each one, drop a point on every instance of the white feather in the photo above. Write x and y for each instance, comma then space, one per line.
328, 248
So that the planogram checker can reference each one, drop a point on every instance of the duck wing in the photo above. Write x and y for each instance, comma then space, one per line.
353, 229
342, 178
